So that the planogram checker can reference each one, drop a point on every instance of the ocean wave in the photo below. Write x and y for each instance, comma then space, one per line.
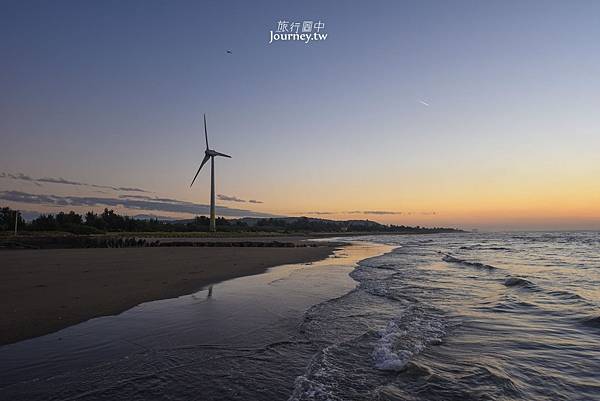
485, 248
371, 351
592, 321
476, 382
400, 340
581, 238
564, 296
567, 295
510, 305
383, 354
363, 333
385, 266
351, 369
478, 265
518, 282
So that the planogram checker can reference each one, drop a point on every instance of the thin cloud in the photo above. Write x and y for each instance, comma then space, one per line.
136, 197
151, 198
373, 212
129, 202
228, 198
20, 176
129, 189
377, 212
60, 180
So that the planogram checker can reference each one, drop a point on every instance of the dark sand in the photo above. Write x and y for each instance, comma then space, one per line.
42, 291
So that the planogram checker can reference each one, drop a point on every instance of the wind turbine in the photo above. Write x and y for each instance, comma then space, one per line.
210, 154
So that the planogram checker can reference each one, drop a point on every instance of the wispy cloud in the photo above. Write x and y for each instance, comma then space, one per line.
377, 212
134, 202
150, 198
372, 212
20, 176
60, 180
228, 198
129, 189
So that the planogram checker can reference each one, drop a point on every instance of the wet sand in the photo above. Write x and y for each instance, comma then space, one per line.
42, 291
247, 339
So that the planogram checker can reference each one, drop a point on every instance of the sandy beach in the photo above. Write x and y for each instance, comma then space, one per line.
42, 291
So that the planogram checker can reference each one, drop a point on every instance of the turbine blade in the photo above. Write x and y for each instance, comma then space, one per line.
205, 132
222, 154
206, 157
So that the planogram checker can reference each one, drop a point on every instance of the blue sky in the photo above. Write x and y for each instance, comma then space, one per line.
113, 92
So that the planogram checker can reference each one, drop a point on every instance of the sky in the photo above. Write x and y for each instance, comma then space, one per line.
438, 113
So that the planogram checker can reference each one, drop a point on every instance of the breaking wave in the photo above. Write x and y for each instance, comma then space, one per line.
518, 282
478, 265
402, 339
592, 321
416, 329
379, 327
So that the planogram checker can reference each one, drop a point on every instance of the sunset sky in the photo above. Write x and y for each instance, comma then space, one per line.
470, 114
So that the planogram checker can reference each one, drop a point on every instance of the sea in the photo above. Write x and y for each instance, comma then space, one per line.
460, 316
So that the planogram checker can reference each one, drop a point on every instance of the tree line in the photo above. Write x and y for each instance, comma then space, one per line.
110, 221
98, 223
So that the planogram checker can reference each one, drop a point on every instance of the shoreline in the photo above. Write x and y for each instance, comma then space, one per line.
43, 291
64, 240
244, 327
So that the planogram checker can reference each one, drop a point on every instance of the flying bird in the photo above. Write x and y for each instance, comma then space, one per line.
424, 103
229, 52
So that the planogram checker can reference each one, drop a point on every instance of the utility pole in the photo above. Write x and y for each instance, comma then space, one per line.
16, 220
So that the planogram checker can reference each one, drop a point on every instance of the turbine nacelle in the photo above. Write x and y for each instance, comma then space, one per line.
208, 153
213, 153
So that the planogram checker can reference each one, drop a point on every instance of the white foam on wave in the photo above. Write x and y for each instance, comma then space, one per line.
384, 356
401, 340
452, 259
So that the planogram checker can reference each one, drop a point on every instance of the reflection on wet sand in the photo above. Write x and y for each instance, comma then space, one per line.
243, 344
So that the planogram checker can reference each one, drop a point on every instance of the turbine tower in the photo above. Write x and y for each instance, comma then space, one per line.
210, 154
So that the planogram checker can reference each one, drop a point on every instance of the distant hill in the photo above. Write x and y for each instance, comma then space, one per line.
309, 224
253, 221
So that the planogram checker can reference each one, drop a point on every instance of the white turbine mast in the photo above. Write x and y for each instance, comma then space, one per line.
210, 154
